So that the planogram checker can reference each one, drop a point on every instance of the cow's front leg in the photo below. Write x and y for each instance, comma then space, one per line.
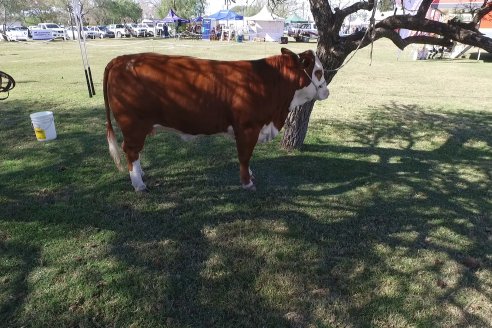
245, 143
136, 175
132, 150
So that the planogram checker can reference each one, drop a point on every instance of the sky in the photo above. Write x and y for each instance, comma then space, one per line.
216, 5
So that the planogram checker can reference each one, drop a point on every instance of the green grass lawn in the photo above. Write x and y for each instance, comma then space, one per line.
382, 220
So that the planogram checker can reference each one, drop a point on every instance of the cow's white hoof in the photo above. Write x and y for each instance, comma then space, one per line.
142, 189
250, 186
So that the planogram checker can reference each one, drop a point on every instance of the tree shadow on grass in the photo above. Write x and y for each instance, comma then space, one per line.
422, 193
17, 261
381, 227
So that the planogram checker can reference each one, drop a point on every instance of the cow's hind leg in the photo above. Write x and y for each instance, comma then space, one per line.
251, 174
132, 148
245, 143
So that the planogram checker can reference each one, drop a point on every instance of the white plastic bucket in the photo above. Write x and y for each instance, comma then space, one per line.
43, 124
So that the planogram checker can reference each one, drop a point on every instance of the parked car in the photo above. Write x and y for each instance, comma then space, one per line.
105, 32
101, 32
16, 33
120, 30
292, 29
89, 33
159, 28
72, 32
57, 32
134, 30
147, 27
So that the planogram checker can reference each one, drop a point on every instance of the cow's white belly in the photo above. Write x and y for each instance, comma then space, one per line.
267, 133
189, 137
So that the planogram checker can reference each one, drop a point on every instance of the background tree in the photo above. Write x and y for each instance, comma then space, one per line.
150, 7
42, 11
100, 14
248, 9
126, 10
386, 5
34, 12
333, 48
87, 11
117, 11
183, 8
11, 10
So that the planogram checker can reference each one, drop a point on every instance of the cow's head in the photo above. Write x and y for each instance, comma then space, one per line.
311, 77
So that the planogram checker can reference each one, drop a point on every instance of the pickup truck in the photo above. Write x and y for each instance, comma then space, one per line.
57, 32
120, 30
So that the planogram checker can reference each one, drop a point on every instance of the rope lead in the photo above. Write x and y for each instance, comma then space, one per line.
372, 23
10, 84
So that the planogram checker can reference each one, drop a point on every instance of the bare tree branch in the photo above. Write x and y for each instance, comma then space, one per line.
484, 10
447, 31
424, 39
402, 43
362, 5
424, 8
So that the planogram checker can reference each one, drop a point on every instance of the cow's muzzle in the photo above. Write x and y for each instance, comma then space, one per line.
321, 88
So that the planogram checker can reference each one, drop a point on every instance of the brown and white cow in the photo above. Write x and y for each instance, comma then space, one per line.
247, 99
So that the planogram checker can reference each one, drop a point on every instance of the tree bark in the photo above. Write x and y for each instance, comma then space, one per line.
296, 125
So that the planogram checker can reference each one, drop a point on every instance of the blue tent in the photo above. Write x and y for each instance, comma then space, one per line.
225, 15
173, 18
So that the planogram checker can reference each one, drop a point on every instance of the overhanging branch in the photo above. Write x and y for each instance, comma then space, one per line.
402, 43
446, 31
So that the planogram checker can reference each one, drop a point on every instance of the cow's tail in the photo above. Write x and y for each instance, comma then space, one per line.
114, 150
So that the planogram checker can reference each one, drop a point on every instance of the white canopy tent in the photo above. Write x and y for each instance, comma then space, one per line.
266, 25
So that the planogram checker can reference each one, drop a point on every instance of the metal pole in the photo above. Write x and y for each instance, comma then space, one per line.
478, 27
82, 54
87, 60
83, 48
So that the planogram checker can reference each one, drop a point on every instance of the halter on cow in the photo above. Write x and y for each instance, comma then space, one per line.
248, 100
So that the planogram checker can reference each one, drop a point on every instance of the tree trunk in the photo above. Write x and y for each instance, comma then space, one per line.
296, 126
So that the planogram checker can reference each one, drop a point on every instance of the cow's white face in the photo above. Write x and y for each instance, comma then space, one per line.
317, 89
318, 79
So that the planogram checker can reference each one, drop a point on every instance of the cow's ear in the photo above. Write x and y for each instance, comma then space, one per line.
305, 60
286, 51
